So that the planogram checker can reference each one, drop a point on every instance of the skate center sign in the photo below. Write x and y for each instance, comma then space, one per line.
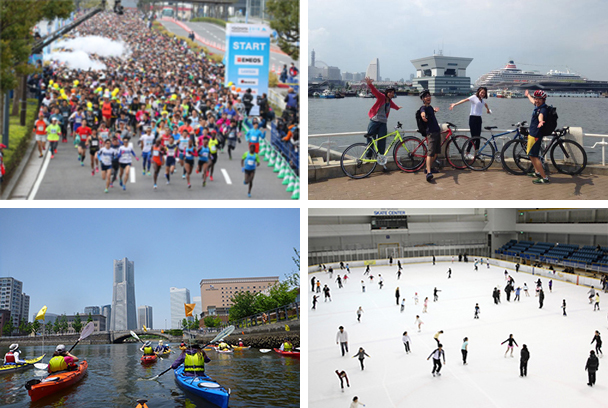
248, 58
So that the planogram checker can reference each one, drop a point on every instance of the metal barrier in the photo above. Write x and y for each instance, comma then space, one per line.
287, 149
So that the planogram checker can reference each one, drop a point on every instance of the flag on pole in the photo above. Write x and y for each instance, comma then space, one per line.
41, 313
145, 328
286, 328
189, 308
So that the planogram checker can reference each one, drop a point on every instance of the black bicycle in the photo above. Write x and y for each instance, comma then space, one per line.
567, 156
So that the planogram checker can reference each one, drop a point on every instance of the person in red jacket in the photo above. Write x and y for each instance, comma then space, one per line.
83, 133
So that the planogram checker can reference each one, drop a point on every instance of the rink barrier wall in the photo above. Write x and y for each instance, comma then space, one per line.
546, 273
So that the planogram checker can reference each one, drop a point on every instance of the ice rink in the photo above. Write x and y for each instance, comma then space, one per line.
559, 346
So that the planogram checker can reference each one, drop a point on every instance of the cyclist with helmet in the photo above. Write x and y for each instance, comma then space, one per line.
378, 114
536, 135
477, 105
433, 133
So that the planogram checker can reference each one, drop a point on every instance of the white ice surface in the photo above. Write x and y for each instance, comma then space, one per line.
559, 346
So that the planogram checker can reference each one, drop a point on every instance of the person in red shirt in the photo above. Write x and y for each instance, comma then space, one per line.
186, 127
83, 133
40, 131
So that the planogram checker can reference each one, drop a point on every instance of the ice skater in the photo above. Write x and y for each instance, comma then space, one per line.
598, 343
436, 337
496, 296
406, 342
345, 278
402, 305
517, 292
327, 294
367, 270
564, 307
597, 302
356, 403
397, 295
437, 354
464, 350
426, 303
475, 264
526, 290
380, 281
359, 313
591, 367
318, 286
390, 261
433, 259
416, 298
341, 265
511, 341
452, 258
539, 286
342, 376
541, 299
361, 355
314, 302
591, 294
506, 275
398, 274
449, 273
517, 267
418, 323
331, 272
339, 280
312, 282
435, 294
550, 285
476, 311
488, 263
347, 268
342, 339
363, 286
399, 264
523, 361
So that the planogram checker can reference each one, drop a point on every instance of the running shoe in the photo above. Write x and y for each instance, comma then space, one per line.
81, 164
52, 156
204, 183
97, 169
121, 182
541, 180
244, 182
167, 182
55, 151
148, 172
429, 177
534, 174
106, 190
211, 178
143, 172
189, 186
124, 188
40, 156
111, 185
183, 176
154, 186
249, 195
93, 173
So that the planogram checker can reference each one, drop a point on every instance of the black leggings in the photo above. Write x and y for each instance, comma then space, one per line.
475, 126
436, 365
361, 362
464, 356
407, 346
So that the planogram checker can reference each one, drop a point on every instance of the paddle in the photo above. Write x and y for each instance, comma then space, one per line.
265, 350
86, 332
220, 336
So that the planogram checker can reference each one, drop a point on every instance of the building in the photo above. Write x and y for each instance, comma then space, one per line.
124, 315
144, 317
5, 316
49, 318
13, 299
373, 70
216, 293
92, 310
442, 75
99, 322
197, 309
179, 297
359, 76
347, 76
312, 58
106, 310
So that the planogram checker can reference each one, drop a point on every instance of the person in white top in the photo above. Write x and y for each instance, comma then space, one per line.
342, 338
356, 403
406, 342
477, 105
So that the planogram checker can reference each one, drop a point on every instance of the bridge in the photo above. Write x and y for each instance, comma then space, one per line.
121, 336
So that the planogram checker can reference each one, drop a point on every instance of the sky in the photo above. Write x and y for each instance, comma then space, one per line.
545, 34
64, 257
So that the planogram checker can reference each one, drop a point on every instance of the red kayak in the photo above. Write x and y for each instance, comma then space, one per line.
55, 382
288, 353
148, 359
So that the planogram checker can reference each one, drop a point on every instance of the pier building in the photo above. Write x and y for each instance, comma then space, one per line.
442, 75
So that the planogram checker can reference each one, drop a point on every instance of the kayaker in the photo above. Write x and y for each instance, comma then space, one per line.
240, 343
194, 360
147, 348
223, 346
286, 346
61, 360
160, 348
13, 355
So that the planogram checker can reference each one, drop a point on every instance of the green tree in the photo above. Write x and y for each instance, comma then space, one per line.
8, 328
36, 326
90, 318
185, 324
57, 325
286, 21
195, 324
23, 327
77, 323
211, 321
243, 304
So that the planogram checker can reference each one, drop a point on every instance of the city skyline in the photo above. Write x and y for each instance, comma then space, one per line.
74, 250
412, 30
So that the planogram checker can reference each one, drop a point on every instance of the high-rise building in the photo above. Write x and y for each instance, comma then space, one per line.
178, 298
312, 54
197, 309
373, 70
92, 310
124, 314
106, 311
216, 294
144, 317
14, 300
99, 322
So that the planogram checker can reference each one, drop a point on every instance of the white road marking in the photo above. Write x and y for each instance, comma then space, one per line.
47, 159
226, 176
132, 174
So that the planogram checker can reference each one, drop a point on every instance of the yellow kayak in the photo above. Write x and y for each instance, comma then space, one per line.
239, 348
11, 368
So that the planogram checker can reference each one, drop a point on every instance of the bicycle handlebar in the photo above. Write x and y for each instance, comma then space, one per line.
451, 124
518, 124
399, 126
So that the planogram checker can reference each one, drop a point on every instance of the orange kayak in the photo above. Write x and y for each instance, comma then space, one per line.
55, 382
148, 359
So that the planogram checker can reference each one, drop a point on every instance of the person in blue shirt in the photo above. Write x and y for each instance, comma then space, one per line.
249, 162
204, 153
254, 136
535, 137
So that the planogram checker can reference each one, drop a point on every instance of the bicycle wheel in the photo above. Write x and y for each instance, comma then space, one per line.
410, 154
480, 159
514, 157
568, 157
454, 149
358, 160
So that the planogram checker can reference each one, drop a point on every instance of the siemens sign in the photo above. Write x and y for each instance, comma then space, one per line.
390, 212
248, 54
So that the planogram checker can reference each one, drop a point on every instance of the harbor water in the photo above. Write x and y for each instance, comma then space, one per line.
114, 379
350, 115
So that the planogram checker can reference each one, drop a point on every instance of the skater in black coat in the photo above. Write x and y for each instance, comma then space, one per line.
523, 361
541, 298
397, 294
511, 341
592, 366
598, 343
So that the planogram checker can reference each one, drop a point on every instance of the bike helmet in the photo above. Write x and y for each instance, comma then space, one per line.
540, 94
424, 93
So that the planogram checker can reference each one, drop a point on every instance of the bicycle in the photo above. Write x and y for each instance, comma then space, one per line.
486, 150
359, 160
567, 156
414, 157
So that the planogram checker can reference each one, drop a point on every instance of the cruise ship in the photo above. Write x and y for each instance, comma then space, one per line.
510, 77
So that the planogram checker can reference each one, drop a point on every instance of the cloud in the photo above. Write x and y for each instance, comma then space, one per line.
76, 60
95, 45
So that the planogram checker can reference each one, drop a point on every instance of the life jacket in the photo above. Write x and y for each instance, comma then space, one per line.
241, 344
287, 346
9, 357
194, 362
56, 364
148, 351
222, 346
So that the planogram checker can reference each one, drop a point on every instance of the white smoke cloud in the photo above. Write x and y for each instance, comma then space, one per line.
75, 60
94, 44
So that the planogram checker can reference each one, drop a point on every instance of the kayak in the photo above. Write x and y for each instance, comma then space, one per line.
288, 353
55, 382
240, 348
224, 351
204, 387
11, 368
164, 353
149, 359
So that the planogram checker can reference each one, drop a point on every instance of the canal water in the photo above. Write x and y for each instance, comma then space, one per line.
350, 115
114, 380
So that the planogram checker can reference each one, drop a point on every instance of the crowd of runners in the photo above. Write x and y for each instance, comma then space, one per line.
162, 104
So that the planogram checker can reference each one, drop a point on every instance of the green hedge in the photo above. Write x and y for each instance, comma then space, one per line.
209, 20
19, 138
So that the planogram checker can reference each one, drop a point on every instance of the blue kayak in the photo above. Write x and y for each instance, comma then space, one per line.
204, 387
